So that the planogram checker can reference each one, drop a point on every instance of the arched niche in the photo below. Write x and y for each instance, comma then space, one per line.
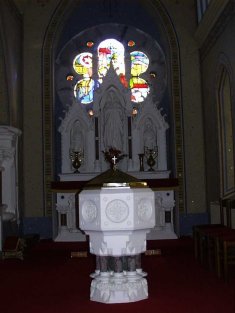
152, 121
75, 124
112, 124
166, 29
113, 128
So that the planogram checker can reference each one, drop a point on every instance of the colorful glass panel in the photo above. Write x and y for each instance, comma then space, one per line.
84, 90
139, 87
139, 63
90, 44
69, 77
82, 64
111, 50
131, 43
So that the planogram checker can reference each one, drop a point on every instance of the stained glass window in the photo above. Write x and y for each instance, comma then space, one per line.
82, 64
139, 87
110, 52
84, 88
131, 43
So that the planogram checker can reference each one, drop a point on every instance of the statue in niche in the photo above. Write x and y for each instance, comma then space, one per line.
77, 142
149, 134
113, 123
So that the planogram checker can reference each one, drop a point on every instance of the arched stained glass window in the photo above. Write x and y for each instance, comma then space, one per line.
110, 51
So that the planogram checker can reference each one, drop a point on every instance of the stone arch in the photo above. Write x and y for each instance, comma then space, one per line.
48, 96
69, 124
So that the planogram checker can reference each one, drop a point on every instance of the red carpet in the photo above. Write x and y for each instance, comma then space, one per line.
48, 280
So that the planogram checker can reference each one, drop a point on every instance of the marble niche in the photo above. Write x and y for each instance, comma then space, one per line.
112, 124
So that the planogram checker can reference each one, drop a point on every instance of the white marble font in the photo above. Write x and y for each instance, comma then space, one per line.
117, 220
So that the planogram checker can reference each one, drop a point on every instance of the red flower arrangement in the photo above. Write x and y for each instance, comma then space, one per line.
113, 156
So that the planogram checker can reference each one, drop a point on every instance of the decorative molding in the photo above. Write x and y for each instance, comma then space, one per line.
89, 211
144, 209
117, 211
118, 289
158, 8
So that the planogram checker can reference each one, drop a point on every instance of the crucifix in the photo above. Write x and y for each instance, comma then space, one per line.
114, 159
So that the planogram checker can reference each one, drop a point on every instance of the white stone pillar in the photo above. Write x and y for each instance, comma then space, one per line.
9, 161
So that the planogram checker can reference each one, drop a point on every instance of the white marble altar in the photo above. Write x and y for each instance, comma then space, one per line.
117, 219
130, 134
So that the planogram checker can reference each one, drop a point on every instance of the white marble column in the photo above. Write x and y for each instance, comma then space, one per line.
9, 162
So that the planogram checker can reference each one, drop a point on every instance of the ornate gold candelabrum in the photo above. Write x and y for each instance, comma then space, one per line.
151, 155
76, 159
